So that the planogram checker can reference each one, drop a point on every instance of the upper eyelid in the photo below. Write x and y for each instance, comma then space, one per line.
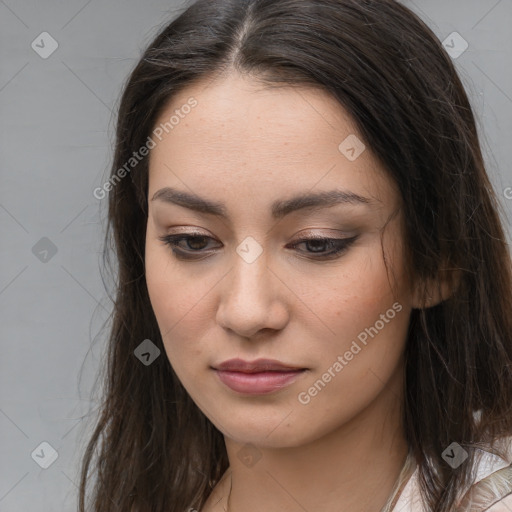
192, 231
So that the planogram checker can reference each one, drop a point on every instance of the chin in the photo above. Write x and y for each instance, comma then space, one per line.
276, 429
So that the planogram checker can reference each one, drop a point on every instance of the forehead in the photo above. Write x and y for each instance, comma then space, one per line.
240, 133
238, 113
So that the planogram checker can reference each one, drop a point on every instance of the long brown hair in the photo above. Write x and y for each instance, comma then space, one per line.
155, 449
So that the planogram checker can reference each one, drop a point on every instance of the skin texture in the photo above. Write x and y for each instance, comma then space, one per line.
247, 146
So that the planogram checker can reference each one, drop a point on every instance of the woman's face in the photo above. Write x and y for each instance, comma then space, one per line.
248, 285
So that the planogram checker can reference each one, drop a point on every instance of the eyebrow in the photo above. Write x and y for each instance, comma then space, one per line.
279, 209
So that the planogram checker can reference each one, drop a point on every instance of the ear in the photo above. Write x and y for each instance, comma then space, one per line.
432, 291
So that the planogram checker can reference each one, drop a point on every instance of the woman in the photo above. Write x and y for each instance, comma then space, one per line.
306, 232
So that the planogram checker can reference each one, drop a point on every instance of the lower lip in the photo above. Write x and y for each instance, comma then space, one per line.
258, 383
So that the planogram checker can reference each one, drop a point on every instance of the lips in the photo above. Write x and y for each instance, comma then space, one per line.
260, 365
257, 377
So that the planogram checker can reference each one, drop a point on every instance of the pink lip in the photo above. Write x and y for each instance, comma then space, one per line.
257, 377
258, 365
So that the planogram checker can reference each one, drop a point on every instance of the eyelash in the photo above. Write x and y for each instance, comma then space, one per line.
173, 241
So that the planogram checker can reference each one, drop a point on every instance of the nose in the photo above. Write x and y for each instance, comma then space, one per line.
252, 298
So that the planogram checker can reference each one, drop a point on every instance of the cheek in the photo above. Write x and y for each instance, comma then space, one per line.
168, 296
168, 282
161, 288
367, 320
355, 298
359, 359
179, 297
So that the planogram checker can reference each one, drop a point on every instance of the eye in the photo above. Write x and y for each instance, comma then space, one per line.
327, 248
194, 243
194, 247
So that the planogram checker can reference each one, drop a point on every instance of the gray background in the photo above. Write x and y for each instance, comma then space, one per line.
56, 122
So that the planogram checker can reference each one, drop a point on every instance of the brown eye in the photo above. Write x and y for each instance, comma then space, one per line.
326, 248
193, 244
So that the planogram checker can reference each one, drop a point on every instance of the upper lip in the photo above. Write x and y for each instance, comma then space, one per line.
259, 365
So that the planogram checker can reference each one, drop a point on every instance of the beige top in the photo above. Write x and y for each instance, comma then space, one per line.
491, 492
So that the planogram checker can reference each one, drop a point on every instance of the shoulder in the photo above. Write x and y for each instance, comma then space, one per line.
490, 492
